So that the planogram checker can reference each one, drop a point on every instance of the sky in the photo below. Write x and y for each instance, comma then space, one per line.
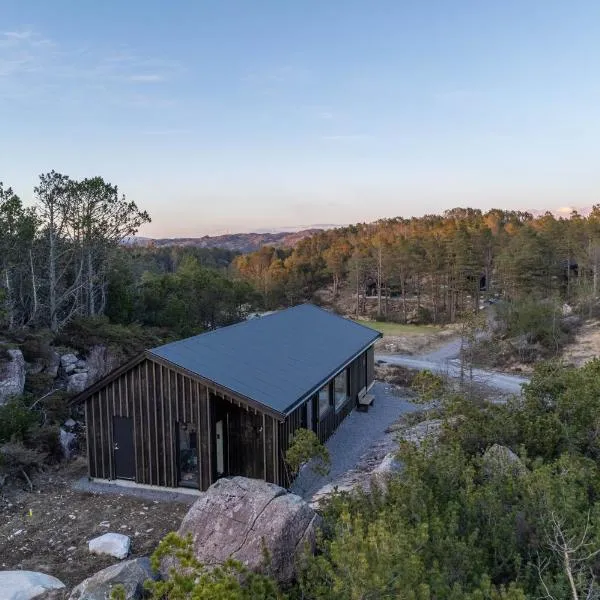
224, 116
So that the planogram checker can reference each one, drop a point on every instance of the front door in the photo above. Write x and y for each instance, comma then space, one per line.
123, 449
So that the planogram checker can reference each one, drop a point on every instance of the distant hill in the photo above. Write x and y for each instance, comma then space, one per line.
238, 242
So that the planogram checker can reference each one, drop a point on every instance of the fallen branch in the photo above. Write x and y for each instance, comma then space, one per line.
28, 480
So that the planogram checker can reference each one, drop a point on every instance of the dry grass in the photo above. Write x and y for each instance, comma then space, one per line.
585, 346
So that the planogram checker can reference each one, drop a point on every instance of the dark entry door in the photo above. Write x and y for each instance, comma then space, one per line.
123, 450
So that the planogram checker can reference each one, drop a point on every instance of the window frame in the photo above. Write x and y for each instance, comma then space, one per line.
325, 408
346, 374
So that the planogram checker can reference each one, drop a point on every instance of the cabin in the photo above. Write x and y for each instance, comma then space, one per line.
228, 402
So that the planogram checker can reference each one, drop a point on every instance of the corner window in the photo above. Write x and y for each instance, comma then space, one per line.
340, 386
323, 400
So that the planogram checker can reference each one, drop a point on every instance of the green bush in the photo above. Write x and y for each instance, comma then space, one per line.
538, 322
82, 334
16, 420
306, 448
451, 527
46, 440
36, 346
38, 384
191, 579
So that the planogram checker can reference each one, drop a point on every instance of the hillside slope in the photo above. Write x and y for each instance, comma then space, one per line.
239, 242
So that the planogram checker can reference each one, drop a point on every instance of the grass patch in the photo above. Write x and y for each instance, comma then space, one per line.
398, 329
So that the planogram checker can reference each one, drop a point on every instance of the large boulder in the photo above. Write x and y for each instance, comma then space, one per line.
500, 460
113, 544
99, 362
77, 382
131, 574
68, 442
240, 518
53, 363
68, 362
23, 585
12, 375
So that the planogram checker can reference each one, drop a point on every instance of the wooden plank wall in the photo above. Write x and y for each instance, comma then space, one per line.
332, 419
157, 398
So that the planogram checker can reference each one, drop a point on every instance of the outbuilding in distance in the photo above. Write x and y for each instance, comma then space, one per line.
227, 402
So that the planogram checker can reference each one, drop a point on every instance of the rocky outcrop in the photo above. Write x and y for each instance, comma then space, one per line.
241, 517
426, 430
99, 362
131, 574
68, 362
77, 382
500, 460
389, 465
113, 544
23, 585
12, 375
53, 363
68, 442
81, 373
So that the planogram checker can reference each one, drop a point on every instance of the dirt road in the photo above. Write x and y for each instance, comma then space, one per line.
445, 360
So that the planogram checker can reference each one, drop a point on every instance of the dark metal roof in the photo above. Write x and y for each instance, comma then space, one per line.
276, 360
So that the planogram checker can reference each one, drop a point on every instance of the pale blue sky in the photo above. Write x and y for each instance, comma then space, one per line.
241, 115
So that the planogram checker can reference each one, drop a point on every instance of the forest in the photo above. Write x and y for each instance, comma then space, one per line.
437, 265
451, 525
67, 257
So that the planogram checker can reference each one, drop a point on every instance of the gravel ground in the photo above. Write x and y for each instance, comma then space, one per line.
359, 435
48, 529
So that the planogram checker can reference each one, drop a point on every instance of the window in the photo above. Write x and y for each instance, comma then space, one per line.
340, 386
188, 455
323, 400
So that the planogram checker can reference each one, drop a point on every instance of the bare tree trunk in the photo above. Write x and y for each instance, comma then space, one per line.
403, 291
90, 284
34, 291
9, 298
357, 290
52, 279
379, 278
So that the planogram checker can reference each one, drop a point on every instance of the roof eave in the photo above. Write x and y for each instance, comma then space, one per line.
256, 404
292, 407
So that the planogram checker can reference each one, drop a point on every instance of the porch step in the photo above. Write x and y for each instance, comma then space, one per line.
365, 401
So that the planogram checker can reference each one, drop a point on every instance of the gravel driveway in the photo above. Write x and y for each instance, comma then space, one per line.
446, 360
358, 435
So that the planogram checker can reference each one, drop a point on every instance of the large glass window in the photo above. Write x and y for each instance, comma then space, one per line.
340, 386
323, 400
188, 455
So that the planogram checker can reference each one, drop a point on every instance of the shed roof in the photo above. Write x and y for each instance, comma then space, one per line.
277, 360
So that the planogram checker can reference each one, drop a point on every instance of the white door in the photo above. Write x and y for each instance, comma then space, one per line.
220, 448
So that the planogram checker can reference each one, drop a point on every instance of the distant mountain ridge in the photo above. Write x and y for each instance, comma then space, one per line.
238, 242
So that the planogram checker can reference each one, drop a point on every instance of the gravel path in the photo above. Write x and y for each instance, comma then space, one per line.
359, 433
446, 360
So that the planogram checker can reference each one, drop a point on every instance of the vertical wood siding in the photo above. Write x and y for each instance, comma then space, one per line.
157, 398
